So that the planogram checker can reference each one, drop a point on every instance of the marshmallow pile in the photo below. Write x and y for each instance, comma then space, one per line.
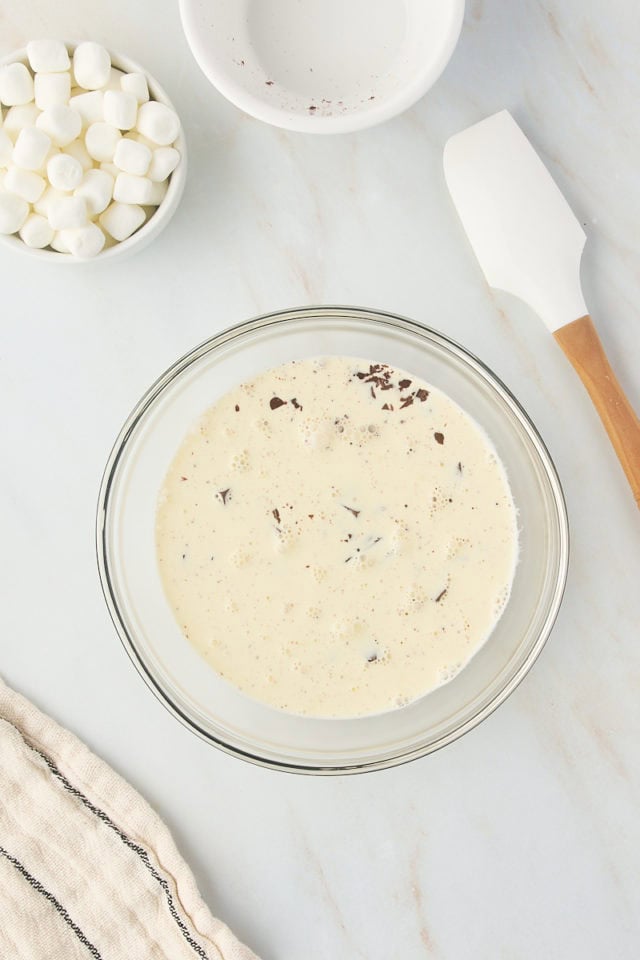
85, 154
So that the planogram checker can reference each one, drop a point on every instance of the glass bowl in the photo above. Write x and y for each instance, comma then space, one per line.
177, 674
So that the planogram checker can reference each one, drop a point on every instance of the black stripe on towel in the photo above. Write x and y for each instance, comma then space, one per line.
52, 900
140, 851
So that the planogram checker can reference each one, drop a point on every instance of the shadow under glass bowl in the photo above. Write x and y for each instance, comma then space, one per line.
185, 683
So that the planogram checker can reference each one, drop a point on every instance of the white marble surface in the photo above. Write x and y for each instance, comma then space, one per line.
522, 840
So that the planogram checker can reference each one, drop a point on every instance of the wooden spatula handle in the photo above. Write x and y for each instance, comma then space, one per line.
581, 344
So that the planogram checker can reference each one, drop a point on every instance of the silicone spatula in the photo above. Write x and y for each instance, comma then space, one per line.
529, 243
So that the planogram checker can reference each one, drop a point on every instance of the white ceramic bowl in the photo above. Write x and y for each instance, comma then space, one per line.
322, 66
157, 222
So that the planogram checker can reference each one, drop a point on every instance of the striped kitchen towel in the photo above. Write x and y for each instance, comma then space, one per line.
87, 869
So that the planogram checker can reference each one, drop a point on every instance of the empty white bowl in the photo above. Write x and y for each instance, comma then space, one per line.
156, 222
322, 66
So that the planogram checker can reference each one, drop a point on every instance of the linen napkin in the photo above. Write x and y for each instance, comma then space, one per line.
87, 869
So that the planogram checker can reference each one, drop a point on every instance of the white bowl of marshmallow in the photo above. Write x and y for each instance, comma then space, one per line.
92, 159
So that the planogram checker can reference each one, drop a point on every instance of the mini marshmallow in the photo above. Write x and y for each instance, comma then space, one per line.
137, 136
101, 140
67, 212
18, 118
63, 124
132, 157
157, 122
51, 88
89, 106
115, 79
47, 56
157, 193
13, 212
64, 172
163, 163
97, 190
31, 149
36, 231
120, 220
24, 183
131, 189
78, 150
111, 168
6, 148
16, 84
58, 243
135, 83
91, 65
42, 205
120, 109
84, 242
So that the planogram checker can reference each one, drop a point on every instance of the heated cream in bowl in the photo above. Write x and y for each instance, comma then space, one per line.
336, 537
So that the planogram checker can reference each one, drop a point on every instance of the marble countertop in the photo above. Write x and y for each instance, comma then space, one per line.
522, 840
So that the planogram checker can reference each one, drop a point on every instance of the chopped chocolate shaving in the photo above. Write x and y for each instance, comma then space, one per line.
294, 403
372, 658
312, 108
439, 437
237, 408
422, 394
373, 393
441, 595
404, 384
184, 478
311, 516
379, 374
459, 467
276, 402
269, 83
405, 402
352, 510
224, 494
276, 514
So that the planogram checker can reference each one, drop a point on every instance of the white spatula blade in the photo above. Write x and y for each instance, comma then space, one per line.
522, 230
